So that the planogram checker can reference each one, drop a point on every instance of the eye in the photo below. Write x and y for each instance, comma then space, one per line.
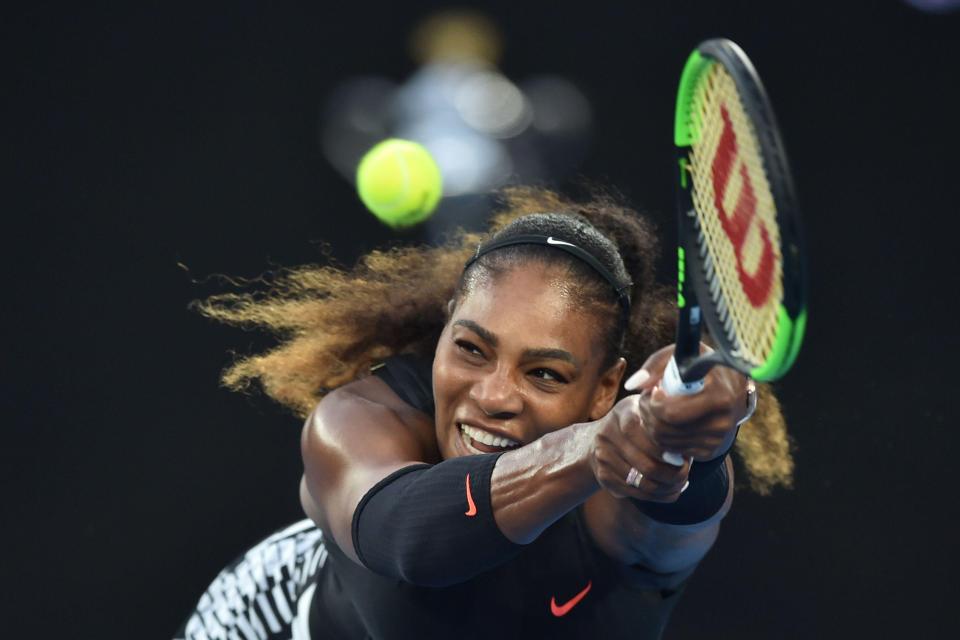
548, 375
468, 347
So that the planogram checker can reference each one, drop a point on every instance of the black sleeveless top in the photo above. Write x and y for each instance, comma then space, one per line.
515, 599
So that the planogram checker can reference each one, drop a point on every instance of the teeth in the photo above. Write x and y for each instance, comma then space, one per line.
487, 438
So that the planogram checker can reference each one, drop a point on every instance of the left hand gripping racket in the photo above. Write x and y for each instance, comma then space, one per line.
740, 253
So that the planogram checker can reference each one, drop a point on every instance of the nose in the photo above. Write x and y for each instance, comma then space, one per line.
497, 394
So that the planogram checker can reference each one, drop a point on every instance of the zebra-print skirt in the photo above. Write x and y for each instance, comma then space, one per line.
265, 594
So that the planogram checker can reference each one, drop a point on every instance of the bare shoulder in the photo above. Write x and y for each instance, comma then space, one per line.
367, 412
358, 434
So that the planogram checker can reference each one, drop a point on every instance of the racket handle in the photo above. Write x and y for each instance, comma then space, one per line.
674, 385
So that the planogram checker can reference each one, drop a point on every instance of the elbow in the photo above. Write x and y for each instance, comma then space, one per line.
418, 560
419, 577
416, 564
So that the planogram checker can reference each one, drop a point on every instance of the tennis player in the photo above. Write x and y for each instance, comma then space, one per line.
474, 466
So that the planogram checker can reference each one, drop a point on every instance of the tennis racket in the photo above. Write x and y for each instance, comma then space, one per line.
741, 259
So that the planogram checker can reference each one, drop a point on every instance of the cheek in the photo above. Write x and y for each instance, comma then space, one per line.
573, 408
447, 381
556, 413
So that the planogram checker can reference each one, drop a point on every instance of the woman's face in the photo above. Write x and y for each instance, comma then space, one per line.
518, 359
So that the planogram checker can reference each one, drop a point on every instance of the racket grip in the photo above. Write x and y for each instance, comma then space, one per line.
674, 385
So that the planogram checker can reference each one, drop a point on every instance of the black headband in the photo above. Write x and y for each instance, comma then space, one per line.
621, 290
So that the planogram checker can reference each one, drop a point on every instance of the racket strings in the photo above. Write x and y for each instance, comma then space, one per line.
736, 218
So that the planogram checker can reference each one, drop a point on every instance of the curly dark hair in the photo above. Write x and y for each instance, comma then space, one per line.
333, 324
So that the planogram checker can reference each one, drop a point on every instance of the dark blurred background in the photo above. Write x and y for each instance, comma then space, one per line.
145, 138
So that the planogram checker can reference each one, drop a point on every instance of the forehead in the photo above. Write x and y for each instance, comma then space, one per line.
532, 306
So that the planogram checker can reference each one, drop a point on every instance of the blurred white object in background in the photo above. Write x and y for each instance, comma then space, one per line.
934, 6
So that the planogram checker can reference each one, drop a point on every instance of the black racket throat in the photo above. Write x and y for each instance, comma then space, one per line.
691, 364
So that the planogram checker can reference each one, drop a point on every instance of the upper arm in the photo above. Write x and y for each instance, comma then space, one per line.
349, 443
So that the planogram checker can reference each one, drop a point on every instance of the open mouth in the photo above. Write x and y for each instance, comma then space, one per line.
480, 441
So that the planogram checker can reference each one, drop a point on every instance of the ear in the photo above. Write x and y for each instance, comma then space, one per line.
608, 387
451, 305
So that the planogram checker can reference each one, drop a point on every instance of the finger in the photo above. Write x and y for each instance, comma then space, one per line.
666, 437
650, 439
700, 442
677, 411
673, 458
678, 452
636, 438
654, 467
700, 452
668, 465
659, 475
709, 433
637, 380
702, 435
649, 477
651, 370
648, 491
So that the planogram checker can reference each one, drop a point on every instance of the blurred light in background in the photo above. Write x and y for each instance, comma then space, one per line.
483, 129
558, 107
934, 6
355, 117
493, 105
456, 35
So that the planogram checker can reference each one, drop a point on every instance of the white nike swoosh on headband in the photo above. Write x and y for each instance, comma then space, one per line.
550, 240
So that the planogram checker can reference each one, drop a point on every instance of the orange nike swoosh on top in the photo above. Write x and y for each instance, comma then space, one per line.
562, 610
472, 508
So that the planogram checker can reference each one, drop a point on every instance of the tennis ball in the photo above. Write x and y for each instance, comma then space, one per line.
399, 182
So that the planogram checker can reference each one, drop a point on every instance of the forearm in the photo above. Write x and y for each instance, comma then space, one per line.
441, 524
632, 537
436, 525
534, 486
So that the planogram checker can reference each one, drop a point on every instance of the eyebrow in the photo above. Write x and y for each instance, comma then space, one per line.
543, 352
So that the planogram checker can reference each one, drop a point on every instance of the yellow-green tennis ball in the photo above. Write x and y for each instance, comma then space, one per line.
399, 182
